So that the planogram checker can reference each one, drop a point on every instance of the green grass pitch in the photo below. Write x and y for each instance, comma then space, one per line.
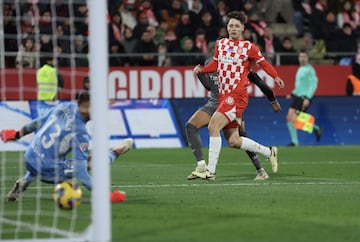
315, 196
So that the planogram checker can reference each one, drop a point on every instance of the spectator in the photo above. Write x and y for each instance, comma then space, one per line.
80, 22
222, 32
61, 10
256, 25
28, 26
128, 18
46, 44
185, 27
289, 54
81, 50
236, 5
317, 18
10, 32
128, 42
167, 36
329, 31
190, 54
277, 11
140, 27
221, 10
26, 56
209, 25
147, 46
163, 58
347, 14
346, 42
116, 28
61, 60
30, 19
62, 40
45, 25
200, 41
250, 7
195, 8
114, 57
152, 30
147, 8
250, 36
302, 13
172, 14
67, 26
270, 44
353, 81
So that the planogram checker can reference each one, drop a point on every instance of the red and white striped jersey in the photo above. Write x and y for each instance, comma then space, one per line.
234, 58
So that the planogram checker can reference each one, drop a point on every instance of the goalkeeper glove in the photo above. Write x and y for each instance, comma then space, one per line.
9, 134
117, 196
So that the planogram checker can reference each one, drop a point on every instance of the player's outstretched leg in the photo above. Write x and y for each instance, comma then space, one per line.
124, 146
261, 174
270, 152
17, 190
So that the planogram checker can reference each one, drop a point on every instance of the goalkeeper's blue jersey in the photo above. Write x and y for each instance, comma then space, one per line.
60, 133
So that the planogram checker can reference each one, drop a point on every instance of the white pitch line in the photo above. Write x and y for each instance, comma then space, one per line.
240, 163
214, 184
234, 184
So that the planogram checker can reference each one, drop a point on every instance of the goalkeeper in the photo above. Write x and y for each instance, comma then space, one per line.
58, 133
202, 116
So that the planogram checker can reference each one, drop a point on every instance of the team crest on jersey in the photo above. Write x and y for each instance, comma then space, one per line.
230, 100
83, 146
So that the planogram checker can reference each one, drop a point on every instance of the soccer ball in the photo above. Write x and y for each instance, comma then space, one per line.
67, 195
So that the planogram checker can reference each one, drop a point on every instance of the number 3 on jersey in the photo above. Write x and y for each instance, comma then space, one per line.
48, 139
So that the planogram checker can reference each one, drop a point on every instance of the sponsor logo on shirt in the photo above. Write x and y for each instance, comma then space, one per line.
228, 59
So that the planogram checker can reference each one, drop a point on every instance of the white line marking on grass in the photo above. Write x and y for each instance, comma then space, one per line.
241, 163
235, 184
214, 184
245, 163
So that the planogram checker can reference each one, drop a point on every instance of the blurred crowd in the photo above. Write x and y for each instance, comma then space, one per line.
163, 33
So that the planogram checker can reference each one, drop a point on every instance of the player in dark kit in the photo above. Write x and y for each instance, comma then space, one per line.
202, 116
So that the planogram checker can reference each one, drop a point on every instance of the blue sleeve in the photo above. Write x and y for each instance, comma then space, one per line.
36, 123
80, 152
82, 174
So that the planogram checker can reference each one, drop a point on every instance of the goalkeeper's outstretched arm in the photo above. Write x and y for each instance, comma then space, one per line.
12, 134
